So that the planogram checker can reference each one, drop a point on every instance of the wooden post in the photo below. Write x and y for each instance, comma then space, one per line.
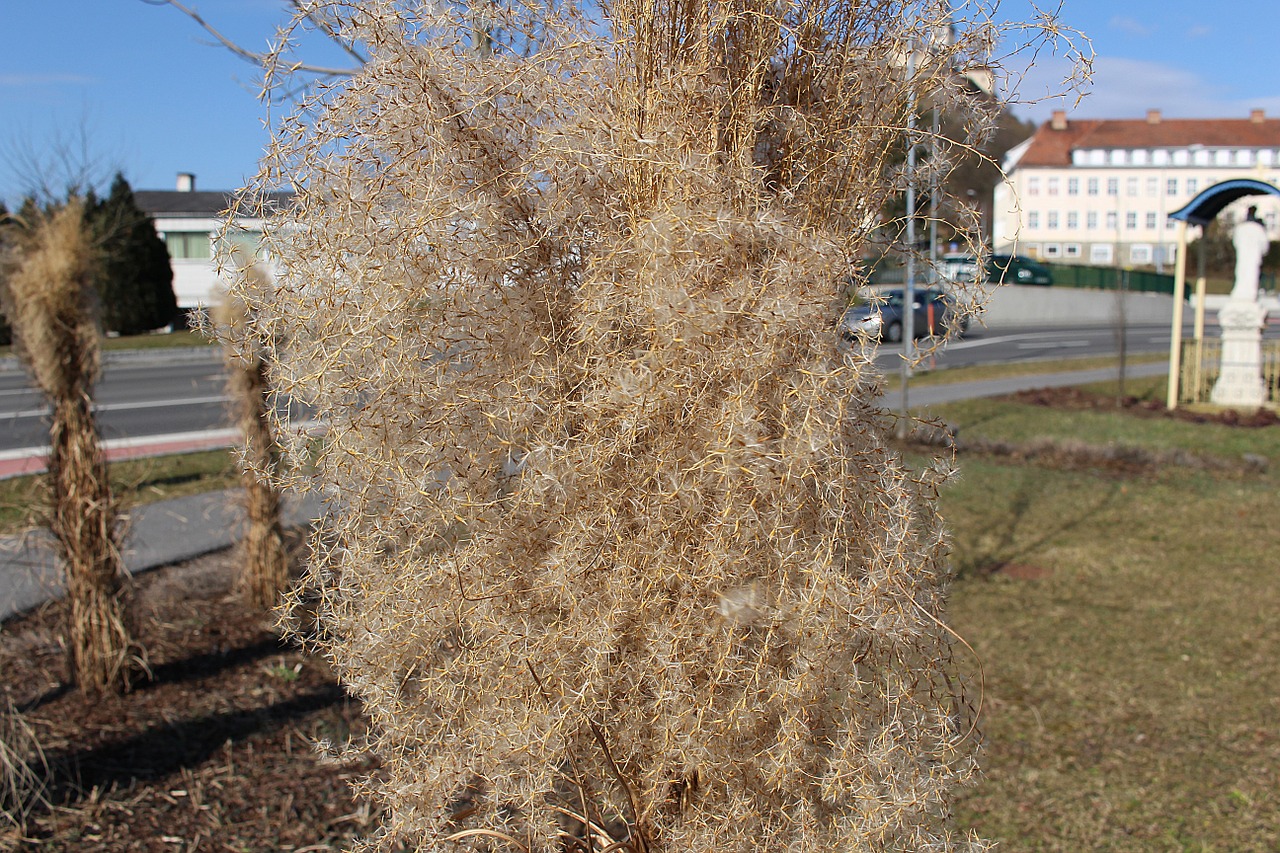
1179, 295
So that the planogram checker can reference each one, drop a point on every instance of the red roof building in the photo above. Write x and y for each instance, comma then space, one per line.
1099, 191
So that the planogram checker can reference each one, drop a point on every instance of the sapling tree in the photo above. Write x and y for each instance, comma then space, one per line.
47, 286
264, 559
618, 556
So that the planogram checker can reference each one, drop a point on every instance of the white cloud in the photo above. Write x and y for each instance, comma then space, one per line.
17, 81
1129, 26
1199, 31
1127, 88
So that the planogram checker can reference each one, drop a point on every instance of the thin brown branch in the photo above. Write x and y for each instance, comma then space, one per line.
257, 58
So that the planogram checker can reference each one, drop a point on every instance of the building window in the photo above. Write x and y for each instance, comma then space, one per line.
1222, 157
1113, 186
1140, 253
1071, 250
1193, 186
1160, 157
1151, 220
1265, 157
248, 242
1052, 250
1112, 220
1153, 187
1033, 186
1093, 186
1054, 183
1053, 219
1100, 253
1140, 156
1131, 220
1033, 219
1073, 220
1131, 187
1244, 157
1091, 220
1097, 157
1167, 253
1201, 157
188, 245
1171, 186
1117, 157
1073, 186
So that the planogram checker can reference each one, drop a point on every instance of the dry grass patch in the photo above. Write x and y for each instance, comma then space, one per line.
1130, 701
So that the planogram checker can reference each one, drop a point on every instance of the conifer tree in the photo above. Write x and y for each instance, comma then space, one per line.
6, 331
135, 281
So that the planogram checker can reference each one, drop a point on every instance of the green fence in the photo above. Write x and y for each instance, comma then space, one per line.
1111, 278
1141, 281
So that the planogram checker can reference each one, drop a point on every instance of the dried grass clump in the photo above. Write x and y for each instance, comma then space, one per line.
50, 300
617, 553
24, 770
264, 567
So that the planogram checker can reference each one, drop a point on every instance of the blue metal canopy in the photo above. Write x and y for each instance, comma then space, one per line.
1202, 209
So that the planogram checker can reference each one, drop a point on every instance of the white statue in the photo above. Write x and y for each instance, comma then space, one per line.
1240, 371
1250, 239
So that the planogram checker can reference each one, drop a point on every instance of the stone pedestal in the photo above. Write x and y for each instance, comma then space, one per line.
1240, 379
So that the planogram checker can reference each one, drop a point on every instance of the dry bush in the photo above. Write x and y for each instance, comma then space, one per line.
50, 300
617, 551
264, 566
24, 771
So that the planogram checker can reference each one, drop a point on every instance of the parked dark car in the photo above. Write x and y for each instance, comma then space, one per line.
881, 316
999, 269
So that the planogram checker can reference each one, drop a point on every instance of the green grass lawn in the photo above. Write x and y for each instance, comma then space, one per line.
135, 482
149, 341
1127, 626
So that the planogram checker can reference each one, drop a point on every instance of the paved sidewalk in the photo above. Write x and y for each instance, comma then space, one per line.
183, 528
155, 535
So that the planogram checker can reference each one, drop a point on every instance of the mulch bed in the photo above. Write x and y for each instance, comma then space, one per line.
1079, 399
213, 753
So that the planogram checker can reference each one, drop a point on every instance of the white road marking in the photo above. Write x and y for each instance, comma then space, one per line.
1054, 344
970, 343
122, 407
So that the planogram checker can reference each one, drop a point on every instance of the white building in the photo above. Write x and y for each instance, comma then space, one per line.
1099, 191
189, 222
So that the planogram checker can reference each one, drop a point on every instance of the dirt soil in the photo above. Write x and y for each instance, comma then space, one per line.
214, 752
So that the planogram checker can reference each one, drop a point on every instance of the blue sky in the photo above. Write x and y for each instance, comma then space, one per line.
156, 99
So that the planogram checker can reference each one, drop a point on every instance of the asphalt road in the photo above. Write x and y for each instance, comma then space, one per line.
174, 393
166, 393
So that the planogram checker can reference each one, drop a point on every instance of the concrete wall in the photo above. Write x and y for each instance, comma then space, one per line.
1025, 305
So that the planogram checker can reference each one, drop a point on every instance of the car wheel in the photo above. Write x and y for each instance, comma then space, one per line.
893, 332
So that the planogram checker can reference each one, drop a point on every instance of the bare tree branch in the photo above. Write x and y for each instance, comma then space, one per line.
263, 60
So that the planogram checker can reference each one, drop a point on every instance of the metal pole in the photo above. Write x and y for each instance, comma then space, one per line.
909, 284
933, 199
1175, 339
